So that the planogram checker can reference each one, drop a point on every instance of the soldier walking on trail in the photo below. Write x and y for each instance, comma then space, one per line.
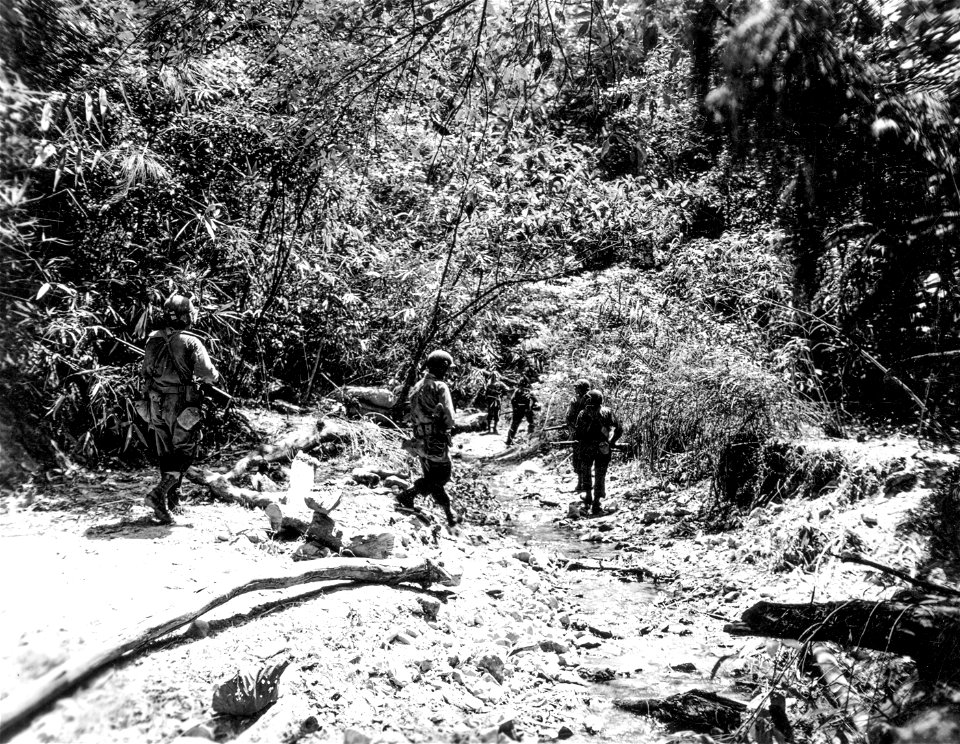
492, 394
523, 403
174, 361
431, 410
580, 388
597, 431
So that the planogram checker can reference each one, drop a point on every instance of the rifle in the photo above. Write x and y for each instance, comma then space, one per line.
570, 442
219, 396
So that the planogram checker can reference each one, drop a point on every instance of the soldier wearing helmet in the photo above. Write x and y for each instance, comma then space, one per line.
580, 388
432, 414
523, 404
596, 432
174, 361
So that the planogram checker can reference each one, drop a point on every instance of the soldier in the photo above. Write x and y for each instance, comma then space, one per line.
492, 394
524, 403
431, 410
174, 361
597, 431
580, 388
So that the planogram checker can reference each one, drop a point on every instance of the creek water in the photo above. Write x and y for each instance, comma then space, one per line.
536, 499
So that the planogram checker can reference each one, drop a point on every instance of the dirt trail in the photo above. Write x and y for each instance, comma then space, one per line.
364, 657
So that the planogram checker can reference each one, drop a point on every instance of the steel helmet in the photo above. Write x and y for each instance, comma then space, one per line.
180, 308
581, 386
594, 398
439, 361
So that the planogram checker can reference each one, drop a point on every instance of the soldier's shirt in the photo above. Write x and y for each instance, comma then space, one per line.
164, 372
431, 403
595, 425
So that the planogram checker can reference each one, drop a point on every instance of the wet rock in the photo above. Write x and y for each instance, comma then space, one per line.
902, 480
869, 520
685, 668
565, 732
575, 510
552, 646
649, 517
600, 632
522, 555
587, 642
429, 606
494, 665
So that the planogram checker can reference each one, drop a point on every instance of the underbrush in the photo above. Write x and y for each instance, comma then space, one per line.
689, 388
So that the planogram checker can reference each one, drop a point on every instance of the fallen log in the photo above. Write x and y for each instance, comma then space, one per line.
328, 430
697, 710
929, 632
18, 707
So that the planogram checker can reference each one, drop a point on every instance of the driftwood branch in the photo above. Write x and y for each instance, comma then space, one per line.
20, 706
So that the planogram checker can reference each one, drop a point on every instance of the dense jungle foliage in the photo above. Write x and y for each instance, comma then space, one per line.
347, 184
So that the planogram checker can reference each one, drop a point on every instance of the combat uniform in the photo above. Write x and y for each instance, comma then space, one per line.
432, 416
172, 362
523, 403
577, 404
597, 430
494, 404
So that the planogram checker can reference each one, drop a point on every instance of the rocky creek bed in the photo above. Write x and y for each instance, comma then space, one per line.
535, 644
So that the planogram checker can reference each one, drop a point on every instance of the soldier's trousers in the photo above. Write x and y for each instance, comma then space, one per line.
593, 467
493, 415
176, 428
435, 476
519, 414
578, 464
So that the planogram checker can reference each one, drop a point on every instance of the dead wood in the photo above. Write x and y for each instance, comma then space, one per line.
328, 430
594, 565
927, 631
947, 591
323, 531
18, 707
697, 710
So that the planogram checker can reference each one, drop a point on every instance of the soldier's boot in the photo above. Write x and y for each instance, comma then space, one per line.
156, 498
406, 498
595, 506
173, 500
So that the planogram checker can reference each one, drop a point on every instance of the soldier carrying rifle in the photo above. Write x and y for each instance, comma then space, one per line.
174, 363
596, 432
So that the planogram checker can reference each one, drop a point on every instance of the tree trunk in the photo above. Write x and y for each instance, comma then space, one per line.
20, 706
930, 632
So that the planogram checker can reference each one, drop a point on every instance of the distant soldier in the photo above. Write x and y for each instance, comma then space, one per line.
580, 388
173, 363
492, 396
432, 414
597, 431
523, 403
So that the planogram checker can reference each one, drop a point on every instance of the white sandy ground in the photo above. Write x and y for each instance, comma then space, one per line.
75, 577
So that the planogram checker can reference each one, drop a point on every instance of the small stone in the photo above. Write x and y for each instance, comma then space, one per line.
731, 596
649, 517
685, 668
593, 724
398, 636
551, 646
600, 632
522, 555
352, 736
587, 642
399, 675
493, 664
430, 607
564, 733
869, 520
223, 538
199, 628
